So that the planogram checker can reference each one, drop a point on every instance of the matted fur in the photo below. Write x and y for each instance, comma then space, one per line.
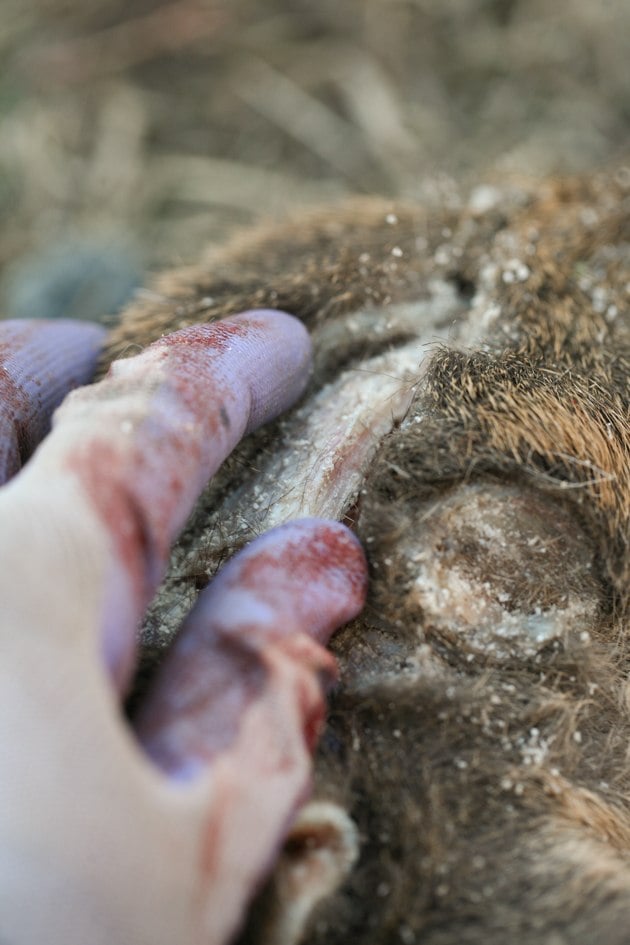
479, 736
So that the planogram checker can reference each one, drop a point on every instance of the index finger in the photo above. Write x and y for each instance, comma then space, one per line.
134, 451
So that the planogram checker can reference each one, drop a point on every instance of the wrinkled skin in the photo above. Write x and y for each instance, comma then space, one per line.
161, 836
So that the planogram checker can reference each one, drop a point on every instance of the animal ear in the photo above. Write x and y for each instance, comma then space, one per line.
321, 849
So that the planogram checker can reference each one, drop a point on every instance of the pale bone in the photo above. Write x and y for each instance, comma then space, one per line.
339, 429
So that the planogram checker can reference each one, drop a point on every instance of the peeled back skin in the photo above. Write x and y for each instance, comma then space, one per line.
468, 416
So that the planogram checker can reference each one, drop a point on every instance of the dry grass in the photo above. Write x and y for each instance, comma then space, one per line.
152, 127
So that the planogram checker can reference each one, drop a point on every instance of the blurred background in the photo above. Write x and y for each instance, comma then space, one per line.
133, 132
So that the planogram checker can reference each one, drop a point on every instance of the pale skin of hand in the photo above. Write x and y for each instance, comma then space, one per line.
111, 836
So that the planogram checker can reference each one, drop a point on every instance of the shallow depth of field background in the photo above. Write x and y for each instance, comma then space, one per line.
133, 132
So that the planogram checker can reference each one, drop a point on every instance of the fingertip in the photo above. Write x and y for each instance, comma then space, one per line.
312, 568
40, 362
256, 633
281, 353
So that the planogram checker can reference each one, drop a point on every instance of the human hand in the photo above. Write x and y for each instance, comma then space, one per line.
162, 835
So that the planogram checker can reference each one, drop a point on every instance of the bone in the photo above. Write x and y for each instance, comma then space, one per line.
331, 440
40, 362
324, 446
258, 628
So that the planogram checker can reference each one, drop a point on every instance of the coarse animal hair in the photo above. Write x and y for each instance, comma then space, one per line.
479, 734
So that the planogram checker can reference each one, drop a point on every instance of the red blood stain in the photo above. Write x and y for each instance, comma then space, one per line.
218, 335
138, 494
311, 558
99, 465
143, 484
316, 669
313, 714
193, 420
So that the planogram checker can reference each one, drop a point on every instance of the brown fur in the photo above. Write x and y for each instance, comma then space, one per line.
488, 774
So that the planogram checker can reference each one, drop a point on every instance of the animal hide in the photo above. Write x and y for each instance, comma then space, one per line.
468, 416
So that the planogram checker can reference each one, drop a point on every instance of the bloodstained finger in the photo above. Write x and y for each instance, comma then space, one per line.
257, 630
40, 362
143, 442
238, 706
